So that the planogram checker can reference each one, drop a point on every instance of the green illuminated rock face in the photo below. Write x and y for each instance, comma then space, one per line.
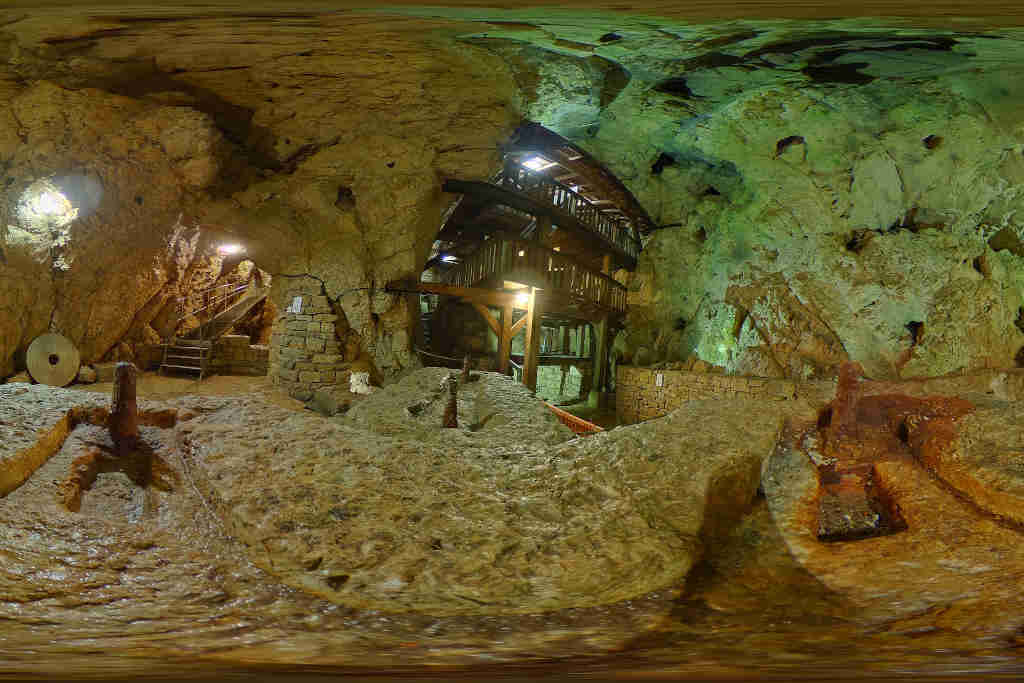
838, 245
828, 191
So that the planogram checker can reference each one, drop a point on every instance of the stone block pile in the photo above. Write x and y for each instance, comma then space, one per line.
641, 395
234, 355
305, 354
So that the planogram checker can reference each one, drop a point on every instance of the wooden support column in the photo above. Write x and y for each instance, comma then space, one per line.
533, 333
505, 338
597, 390
543, 232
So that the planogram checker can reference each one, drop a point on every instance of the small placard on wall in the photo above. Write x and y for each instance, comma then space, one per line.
296, 305
659, 380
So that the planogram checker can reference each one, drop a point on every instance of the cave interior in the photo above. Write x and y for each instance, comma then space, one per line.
468, 340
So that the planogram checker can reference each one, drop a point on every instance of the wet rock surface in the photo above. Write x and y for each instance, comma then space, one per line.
162, 579
494, 516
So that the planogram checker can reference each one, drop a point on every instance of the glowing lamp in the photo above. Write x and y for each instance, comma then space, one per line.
522, 298
536, 163
448, 258
229, 249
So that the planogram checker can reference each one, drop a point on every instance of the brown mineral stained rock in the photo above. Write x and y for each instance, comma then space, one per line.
983, 458
950, 548
500, 520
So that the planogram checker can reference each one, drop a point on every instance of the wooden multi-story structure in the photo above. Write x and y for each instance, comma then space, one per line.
539, 242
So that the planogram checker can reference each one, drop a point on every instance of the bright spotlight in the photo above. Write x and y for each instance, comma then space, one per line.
50, 202
42, 203
448, 258
536, 163
522, 252
522, 298
229, 249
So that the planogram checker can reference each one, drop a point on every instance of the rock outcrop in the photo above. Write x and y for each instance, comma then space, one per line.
385, 509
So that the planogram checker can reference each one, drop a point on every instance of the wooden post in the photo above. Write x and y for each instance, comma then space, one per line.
600, 362
543, 232
505, 338
533, 333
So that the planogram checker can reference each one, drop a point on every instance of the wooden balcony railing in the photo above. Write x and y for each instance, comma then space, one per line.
612, 229
562, 274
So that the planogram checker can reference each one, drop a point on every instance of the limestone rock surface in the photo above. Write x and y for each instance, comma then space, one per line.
384, 509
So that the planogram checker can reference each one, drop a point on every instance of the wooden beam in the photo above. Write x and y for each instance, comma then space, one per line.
518, 325
482, 310
488, 297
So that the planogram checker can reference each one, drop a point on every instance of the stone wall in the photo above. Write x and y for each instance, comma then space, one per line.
305, 353
577, 378
234, 355
640, 395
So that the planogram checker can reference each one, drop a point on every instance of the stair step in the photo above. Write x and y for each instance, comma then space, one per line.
192, 358
181, 367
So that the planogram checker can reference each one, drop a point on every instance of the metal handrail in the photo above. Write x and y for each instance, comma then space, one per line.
517, 370
617, 231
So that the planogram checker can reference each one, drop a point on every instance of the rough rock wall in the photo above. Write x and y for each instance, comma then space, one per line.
101, 281
866, 239
318, 141
827, 190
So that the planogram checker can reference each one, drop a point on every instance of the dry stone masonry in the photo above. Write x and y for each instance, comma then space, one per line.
305, 353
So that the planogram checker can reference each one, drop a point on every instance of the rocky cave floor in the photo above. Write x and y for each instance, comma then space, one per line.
205, 576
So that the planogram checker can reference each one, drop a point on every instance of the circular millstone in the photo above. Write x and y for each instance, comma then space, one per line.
52, 359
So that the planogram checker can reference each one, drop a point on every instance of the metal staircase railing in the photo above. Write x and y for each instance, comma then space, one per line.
193, 355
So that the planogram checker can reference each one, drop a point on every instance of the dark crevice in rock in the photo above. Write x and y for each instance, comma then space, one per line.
731, 39
1019, 322
702, 234
847, 73
616, 78
711, 191
676, 87
336, 582
981, 265
1008, 239
931, 141
858, 240
916, 329
305, 152
787, 142
609, 37
661, 162
854, 43
346, 200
